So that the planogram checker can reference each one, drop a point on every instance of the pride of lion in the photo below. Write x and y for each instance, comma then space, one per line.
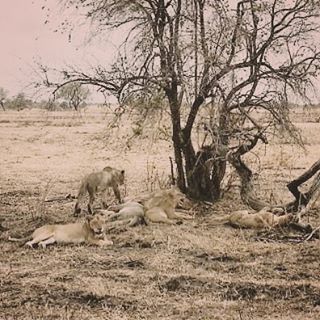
156, 207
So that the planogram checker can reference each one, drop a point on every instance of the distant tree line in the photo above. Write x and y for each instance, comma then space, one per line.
69, 97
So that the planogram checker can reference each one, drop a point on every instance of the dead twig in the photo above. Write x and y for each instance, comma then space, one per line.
68, 198
310, 236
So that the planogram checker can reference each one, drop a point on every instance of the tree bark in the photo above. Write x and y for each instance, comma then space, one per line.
176, 138
303, 198
204, 171
247, 189
302, 202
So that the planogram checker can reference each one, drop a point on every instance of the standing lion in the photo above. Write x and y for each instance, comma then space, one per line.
100, 181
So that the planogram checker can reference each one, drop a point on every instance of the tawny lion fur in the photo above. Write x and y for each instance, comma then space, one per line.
130, 213
158, 207
99, 181
258, 220
161, 206
90, 231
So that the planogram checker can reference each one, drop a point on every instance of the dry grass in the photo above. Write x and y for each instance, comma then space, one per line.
188, 271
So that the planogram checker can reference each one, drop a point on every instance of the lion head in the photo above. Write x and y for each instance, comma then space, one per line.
178, 197
121, 176
118, 175
97, 224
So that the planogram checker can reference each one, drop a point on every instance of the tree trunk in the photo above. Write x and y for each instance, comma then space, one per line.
247, 190
305, 201
176, 138
181, 182
205, 169
204, 172
302, 202
200, 174
301, 198
194, 176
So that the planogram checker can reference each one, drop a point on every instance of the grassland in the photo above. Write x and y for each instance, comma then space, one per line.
188, 271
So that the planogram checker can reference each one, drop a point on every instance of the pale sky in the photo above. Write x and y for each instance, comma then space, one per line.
25, 37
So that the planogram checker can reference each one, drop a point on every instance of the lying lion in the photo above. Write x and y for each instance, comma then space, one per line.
158, 206
258, 220
161, 206
130, 213
90, 231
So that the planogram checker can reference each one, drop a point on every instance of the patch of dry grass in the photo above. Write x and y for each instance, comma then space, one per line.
188, 271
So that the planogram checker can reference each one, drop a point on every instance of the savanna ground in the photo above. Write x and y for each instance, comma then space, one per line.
188, 271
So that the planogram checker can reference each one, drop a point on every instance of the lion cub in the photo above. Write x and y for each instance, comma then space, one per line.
258, 220
90, 231
99, 181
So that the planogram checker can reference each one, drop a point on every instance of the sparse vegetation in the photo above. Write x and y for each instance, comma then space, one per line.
200, 85
189, 271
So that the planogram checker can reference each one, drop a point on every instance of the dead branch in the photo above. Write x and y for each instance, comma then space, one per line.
245, 174
301, 227
313, 234
68, 198
302, 203
293, 186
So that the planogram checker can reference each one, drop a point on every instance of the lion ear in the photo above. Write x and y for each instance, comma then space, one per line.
89, 218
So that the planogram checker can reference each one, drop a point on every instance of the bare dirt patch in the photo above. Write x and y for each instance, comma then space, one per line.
188, 271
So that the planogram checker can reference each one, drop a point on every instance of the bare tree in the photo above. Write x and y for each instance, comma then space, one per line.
74, 94
239, 59
20, 101
3, 97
